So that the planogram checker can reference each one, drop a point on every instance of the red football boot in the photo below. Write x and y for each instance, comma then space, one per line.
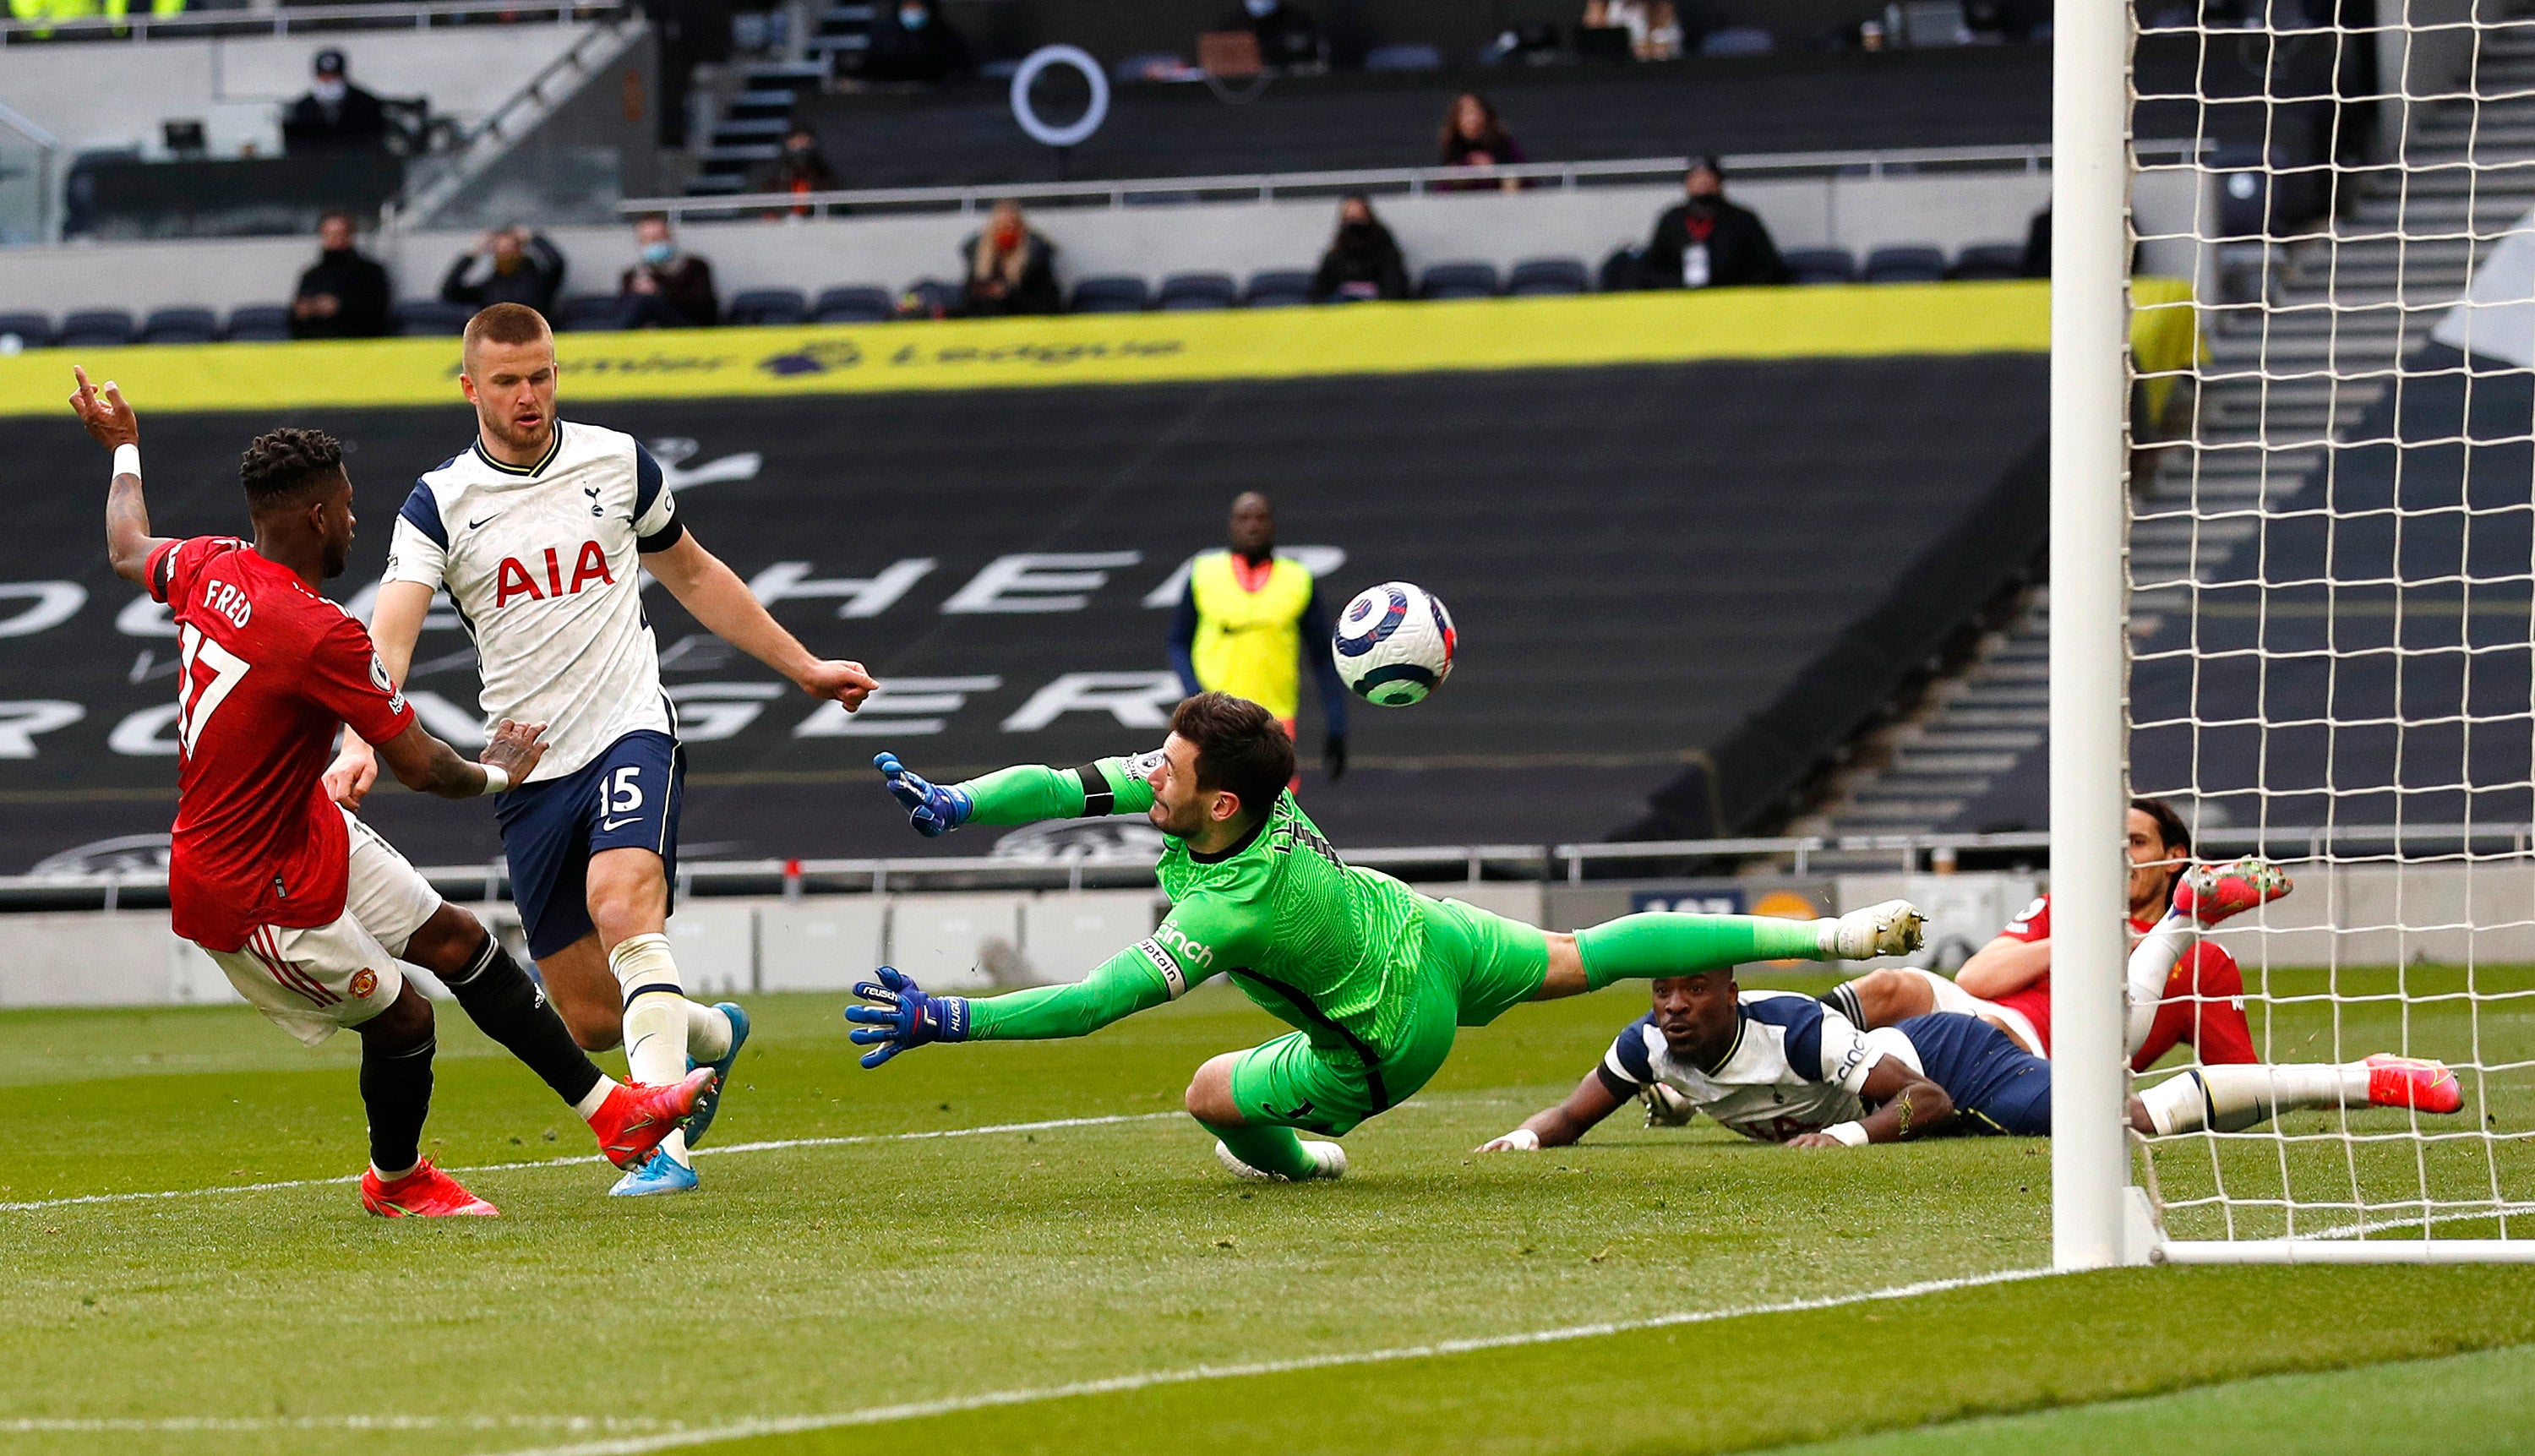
637, 1115
2412, 1082
424, 1194
2211, 893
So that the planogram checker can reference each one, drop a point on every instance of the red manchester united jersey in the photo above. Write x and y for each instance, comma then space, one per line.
269, 669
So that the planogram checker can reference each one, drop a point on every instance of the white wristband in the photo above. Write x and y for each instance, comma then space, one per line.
1523, 1140
1851, 1134
495, 780
127, 459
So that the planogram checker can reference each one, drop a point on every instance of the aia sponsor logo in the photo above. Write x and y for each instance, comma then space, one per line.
514, 578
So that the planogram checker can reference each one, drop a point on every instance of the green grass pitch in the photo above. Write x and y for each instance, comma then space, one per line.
907, 1292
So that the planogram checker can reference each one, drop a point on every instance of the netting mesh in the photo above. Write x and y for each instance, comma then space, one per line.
2332, 578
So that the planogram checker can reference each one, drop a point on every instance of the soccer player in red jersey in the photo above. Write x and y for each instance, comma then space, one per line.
301, 905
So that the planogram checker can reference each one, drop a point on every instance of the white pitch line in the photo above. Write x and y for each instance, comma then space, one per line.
766, 1426
184, 1425
776, 1145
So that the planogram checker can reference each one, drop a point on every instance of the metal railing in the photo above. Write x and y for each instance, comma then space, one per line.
1564, 176
429, 188
795, 878
284, 20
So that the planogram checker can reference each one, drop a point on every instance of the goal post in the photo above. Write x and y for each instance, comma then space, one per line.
2293, 596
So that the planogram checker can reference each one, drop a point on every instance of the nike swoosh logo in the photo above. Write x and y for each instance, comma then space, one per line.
480, 524
610, 826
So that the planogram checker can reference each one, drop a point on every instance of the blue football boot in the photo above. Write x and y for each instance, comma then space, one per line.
701, 1119
659, 1174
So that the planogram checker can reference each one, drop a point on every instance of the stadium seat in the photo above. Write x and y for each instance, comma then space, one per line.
1278, 287
1991, 261
1186, 291
1116, 293
257, 323
1541, 278
180, 325
934, 297
96, 328
1737, 40
854, 304
1412, 55
1459, 281
429, 318
767, 307
1905, 265
579, 313
1821, 265
33, 330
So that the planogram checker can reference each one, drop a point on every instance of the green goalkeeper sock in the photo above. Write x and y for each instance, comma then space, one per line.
1274, 1149
1654, 944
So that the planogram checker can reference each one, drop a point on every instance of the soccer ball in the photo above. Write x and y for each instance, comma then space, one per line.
1393, 644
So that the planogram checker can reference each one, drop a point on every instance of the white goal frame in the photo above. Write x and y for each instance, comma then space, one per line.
2098, 1218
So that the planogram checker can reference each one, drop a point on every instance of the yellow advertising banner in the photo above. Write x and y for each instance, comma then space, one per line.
1087, 349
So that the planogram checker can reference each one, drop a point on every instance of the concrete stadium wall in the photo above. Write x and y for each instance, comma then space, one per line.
967, 941
1946, 211
116, 95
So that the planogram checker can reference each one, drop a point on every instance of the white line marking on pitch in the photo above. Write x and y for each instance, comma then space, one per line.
1119, 1384
182, 1424
774, 1145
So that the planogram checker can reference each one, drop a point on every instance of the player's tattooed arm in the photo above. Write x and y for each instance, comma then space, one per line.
110, 422
713, 594
426, 765
1555, 1128
1906, 1105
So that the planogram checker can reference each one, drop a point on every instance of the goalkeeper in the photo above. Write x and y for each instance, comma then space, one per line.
1374, 977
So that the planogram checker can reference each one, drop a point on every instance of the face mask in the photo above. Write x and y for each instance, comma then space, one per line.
327, 92
1355, 236
1259, 9
1007, 234
658, 253
912, 17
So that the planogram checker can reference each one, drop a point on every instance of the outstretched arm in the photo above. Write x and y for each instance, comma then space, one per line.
902, 1016
713, 594
427, 765
111, 424
1555, 1128
1026, 793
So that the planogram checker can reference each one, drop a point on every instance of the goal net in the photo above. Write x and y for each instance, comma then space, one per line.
2330, 490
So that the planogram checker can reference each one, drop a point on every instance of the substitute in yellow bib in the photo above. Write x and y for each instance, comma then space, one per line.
1249, 623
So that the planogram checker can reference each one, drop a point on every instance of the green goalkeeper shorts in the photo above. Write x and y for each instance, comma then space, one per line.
1475, 966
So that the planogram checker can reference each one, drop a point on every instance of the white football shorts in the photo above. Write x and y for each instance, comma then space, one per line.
1952, 997
314, 983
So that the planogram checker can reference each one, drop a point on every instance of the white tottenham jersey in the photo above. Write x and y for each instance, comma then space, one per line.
544, 565
1796, 1067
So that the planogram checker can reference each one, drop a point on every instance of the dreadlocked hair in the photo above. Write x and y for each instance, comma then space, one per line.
283, 465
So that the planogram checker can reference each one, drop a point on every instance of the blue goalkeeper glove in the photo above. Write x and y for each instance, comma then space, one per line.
903, 1016
933, 809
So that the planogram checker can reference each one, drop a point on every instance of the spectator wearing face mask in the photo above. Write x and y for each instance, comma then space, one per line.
518, 267
665, 288
1707, 242
910, 42
1012, 270
1363, 261
1472, 136
1289, 39
345, 295
800, 169
335, 114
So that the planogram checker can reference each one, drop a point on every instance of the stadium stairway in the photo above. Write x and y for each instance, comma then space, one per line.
1969, 754
748, 131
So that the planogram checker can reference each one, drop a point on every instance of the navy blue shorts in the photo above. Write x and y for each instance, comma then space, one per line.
1998, 1087
626, 797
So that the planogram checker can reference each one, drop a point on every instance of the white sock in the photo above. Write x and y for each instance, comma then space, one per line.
655, 1017
2151, 964
386, 1177
2231, 1099
708, 1032
588, 1106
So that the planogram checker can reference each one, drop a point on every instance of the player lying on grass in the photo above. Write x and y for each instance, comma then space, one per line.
542, 530
1782, 1068
1374, 977
303, 908
2182, 987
